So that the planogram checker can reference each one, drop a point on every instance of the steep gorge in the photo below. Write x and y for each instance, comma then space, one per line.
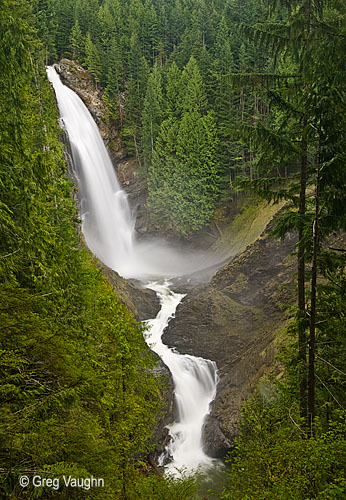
235, 319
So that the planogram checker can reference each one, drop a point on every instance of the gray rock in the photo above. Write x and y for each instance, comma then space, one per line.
215, 443
236, 321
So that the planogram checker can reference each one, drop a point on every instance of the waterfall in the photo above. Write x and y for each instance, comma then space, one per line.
107, 222
108, 228
106, 219
195, 382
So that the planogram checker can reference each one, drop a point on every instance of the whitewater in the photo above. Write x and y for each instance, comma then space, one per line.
108, 228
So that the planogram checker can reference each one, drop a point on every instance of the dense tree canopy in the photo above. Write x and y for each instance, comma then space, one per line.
211, 97
166, 59
307, 132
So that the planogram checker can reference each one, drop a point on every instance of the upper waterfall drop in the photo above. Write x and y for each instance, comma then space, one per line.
107, 222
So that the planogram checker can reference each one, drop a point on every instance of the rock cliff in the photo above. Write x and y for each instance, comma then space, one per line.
82, 82
236, 320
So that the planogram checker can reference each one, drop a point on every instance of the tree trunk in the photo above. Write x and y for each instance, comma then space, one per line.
301, 248
301, 288
311, 373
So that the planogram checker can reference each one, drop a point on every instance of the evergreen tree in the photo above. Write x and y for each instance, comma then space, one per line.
152, 113
225, 104
86, 12
77, 43
173, 90
64, 20
44, 11
193, 95
137, 81
115, 79
303, 118
184, 175
92, 58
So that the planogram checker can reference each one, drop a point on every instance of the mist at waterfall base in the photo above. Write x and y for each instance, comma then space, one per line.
107, 222
108, 228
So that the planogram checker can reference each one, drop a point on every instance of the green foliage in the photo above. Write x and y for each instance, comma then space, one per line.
76, 41
273, 458
281, 453
77, 390
183, 177
152, 113
137, 50
78, 394
169, 488
173, 90
192, 96
92, 58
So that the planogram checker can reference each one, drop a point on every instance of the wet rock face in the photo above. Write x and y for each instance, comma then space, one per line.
235, 320
141, 302
81, 81
216, 443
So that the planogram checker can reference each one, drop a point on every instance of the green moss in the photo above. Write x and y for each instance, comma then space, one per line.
251, 220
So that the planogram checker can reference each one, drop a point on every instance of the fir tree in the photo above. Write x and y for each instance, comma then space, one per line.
77, 43
152, 113
92, 58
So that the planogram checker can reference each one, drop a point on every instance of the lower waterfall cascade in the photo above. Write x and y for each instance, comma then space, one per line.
195, 381
108, 228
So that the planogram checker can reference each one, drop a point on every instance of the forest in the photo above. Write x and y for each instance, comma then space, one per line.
213, 99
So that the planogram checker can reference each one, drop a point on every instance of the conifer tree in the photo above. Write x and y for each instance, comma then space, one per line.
193, 95
151, 32
86, 11
184, 175
64, 20
44, 11
137, 81
173, 90
152, 113
298, 107
92, 58
225, 104
115, 78
77, 43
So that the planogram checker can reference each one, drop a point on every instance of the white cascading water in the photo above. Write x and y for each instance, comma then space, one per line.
107, 223
108, 228
195, 382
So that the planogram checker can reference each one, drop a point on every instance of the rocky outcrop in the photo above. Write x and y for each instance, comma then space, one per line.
141, 302
236, 320
82, 82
